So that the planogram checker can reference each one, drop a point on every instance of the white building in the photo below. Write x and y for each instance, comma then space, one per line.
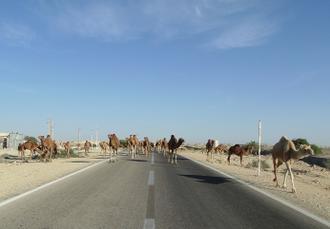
10, 140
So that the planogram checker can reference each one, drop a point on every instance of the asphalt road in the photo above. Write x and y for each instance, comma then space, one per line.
149, 193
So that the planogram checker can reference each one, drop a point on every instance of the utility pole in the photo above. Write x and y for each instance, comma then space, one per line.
259, 147
96, 138
50, 128
78, 138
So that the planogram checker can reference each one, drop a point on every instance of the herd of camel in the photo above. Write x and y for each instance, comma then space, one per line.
282, 152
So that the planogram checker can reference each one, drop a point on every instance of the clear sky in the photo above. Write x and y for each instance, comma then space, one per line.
197, 68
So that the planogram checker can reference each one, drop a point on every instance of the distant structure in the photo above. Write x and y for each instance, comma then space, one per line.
10, 140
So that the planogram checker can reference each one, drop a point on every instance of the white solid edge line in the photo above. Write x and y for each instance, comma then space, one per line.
10, 200
301, 210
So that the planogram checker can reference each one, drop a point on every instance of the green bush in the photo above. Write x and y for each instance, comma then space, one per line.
30, 138
302, 141
317, 149
254, 145
123, 143
62, 154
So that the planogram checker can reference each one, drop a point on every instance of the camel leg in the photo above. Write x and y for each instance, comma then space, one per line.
31, 154
176, 158
285, 178
292, 179
51, 155
228, 159
275, 171
241, 159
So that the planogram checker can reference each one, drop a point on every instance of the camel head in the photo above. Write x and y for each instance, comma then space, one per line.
109, 136
305, 150
180, 142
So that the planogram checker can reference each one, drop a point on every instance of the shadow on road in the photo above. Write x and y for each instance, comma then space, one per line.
79, 162
136, 160
208, 179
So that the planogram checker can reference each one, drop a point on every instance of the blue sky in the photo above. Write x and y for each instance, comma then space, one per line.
198, 69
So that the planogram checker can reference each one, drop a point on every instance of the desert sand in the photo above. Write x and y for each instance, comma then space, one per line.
17, 177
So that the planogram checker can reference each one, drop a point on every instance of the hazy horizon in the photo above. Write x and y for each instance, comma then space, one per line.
196, 69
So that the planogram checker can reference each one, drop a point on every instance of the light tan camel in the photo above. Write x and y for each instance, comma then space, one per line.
114, 144
158, 146
67, 148
87, 146
221, 148
164, 146
210, 148
283, 152
173, 145
104, 147
133, 143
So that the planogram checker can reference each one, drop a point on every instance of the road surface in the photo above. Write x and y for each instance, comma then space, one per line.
149, 193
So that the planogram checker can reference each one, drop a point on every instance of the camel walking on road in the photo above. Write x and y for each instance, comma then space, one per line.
164, 146
104, 147
283, 152
133, 144
173, 145
114, 144
158, 146
146, 146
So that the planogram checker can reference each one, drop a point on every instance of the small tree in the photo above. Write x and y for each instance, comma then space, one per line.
317, 149
32, 139
123, 143
302, 141
254, 146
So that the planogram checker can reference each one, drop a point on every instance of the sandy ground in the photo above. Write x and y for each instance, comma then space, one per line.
312, 183
17, 177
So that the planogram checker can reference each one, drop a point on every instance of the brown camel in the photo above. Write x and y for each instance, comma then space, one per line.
146, 146
173, 145
87, 146
285, 151
49, 147
67, 148
114, 144
239, 151
29, 145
